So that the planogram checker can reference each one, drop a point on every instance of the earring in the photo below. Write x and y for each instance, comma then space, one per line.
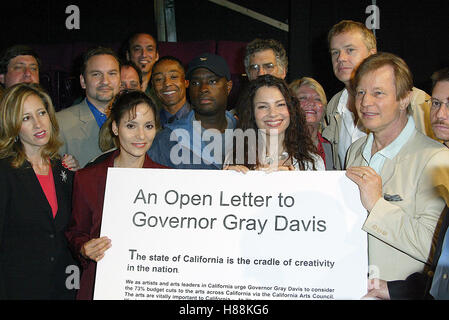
16, 139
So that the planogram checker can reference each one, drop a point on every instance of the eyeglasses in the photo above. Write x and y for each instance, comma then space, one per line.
436, 104
267, 67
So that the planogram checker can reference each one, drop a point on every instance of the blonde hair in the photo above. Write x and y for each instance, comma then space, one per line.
312, 83
347, 26
403, 77
11, 117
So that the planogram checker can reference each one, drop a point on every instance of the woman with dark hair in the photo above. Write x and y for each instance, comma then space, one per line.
276, 133
35, 198
132, 125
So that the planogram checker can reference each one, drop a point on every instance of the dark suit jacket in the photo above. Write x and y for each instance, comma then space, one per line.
88, 196
34, 253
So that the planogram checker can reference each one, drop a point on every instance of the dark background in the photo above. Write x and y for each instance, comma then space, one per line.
418, 32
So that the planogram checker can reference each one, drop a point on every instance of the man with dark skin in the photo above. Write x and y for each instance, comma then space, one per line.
169, 84
210, 84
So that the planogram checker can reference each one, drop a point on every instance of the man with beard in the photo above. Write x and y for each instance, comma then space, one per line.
265, 56
142, 50
80, 124
197, 140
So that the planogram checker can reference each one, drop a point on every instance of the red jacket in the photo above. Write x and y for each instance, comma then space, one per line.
87, 210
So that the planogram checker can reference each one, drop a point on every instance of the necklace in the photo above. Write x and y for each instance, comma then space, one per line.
282, 157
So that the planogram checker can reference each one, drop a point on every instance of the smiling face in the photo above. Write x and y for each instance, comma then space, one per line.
347, 51
136, 131
170, 85
377, 104
310, 102
271, 111
439, 117
36, 126
142, 51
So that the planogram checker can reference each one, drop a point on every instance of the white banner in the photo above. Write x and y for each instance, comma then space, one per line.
200, 235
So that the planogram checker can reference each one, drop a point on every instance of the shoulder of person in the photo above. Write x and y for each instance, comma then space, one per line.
418, 96
185, 122
70, 111
423, 143
355, 150
5, 164
93, 169
100, 158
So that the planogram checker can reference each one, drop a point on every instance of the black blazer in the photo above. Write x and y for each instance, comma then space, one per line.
33, 249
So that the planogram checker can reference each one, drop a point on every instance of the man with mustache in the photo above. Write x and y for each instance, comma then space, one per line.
183, 143
350, 43
265, 56
80, 124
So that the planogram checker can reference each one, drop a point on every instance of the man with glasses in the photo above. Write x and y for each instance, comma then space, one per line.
265, 56
439, 105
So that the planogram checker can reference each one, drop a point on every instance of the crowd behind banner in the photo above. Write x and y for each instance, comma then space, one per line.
143, 110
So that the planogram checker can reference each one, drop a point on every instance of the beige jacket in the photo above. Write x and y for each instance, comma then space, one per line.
420, 109
400, 232
79, 131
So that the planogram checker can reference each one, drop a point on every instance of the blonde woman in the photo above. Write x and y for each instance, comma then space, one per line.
35, 198
313, 101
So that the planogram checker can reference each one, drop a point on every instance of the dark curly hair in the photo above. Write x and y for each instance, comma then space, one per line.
297, 141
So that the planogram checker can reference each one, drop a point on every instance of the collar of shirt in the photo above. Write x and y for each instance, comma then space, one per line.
342, 102
377, 160
349, 131
165, 116
99, 116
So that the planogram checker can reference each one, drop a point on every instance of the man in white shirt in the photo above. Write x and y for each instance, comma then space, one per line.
350, 43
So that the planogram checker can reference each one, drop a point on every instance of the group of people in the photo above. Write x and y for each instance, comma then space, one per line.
136, 114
